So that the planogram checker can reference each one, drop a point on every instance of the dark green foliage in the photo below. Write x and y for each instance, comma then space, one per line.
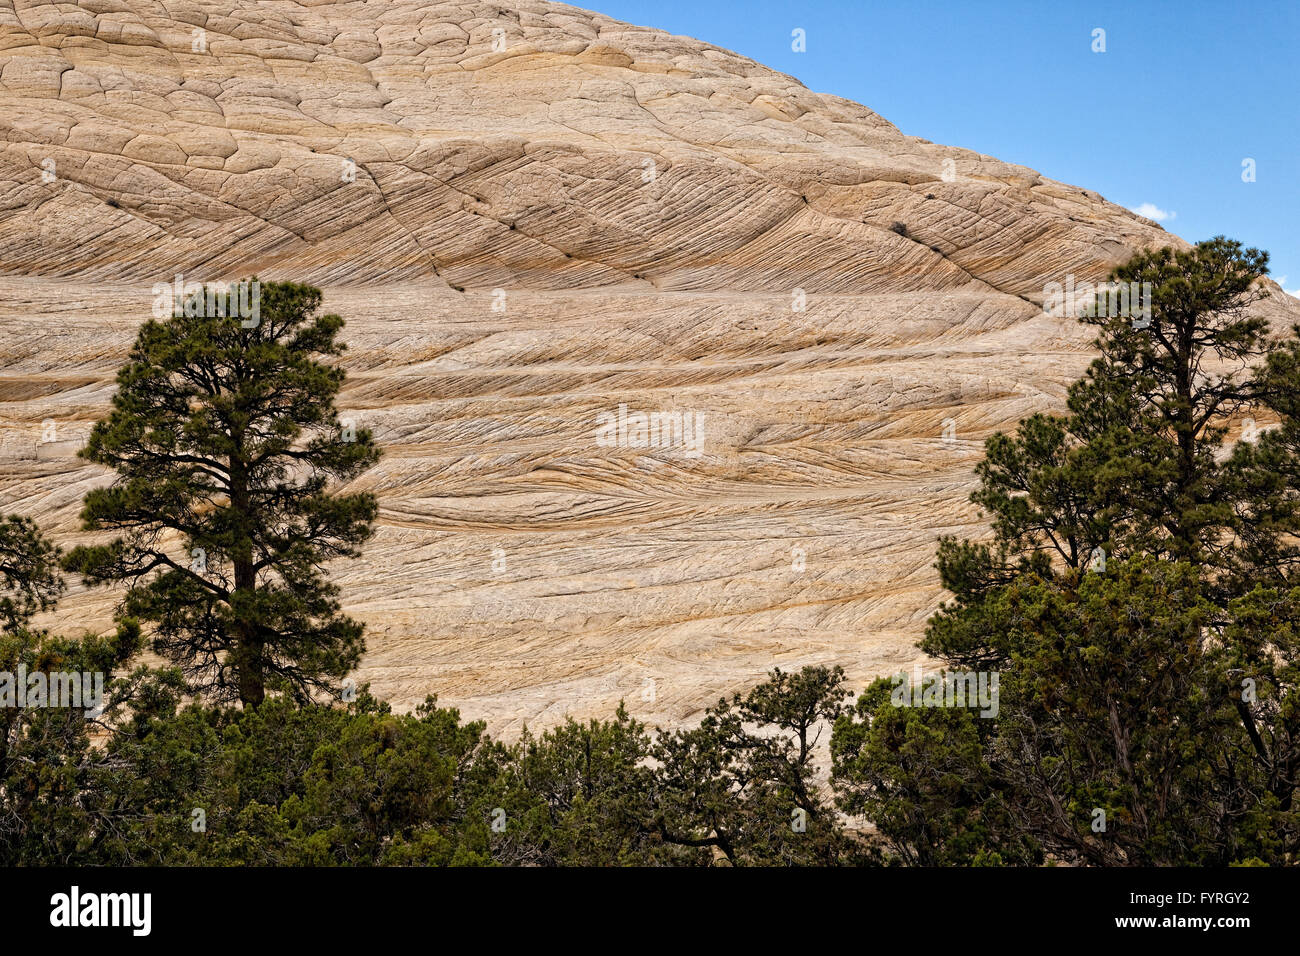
1114, 701
290, 785
51, 770
1137, 601
1265, 477
226, 442
578, 794
1157, 401
920, 775
29, 572
741, 783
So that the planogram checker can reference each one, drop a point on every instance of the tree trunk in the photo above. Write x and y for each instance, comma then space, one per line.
250, 648
1185, 538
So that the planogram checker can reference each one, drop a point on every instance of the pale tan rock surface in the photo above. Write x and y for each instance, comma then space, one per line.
525, 229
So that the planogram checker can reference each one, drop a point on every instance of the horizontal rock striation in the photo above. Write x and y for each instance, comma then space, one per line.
535, 218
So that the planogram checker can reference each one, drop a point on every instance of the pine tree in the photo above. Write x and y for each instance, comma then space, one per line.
227, 446
1138, 596
1136, 465
30, 580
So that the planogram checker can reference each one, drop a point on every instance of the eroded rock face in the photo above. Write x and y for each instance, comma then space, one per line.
536, 218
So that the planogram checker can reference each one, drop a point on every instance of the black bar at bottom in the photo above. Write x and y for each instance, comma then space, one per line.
363, 906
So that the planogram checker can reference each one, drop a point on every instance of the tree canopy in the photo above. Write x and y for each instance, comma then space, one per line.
228, 450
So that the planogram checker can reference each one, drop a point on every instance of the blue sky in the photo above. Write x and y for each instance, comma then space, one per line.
1185, 91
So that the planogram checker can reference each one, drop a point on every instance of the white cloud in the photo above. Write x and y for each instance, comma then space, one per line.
1151, 211
1281, 280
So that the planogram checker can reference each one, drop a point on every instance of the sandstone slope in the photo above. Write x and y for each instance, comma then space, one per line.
531, 214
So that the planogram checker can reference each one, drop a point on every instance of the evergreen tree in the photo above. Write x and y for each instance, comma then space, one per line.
30, 580
922, 777
226, 443
50, 770
1146, 681
742, 782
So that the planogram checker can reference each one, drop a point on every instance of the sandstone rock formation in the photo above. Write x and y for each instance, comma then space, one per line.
532, 215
